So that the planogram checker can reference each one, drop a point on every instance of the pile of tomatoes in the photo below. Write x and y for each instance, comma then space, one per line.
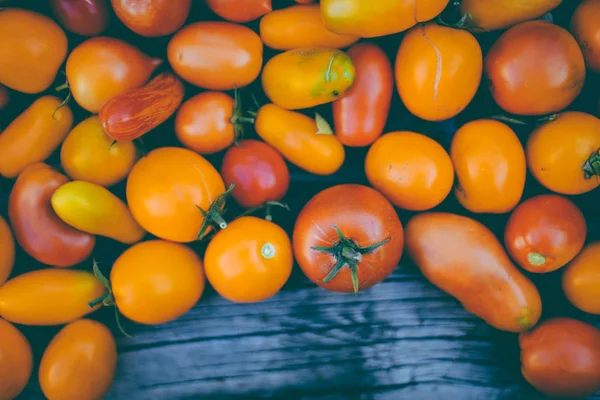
180, 160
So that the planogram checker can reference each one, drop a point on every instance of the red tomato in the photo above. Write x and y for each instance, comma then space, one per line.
239, 10
152, 17
586, 29
86, 18
7, 255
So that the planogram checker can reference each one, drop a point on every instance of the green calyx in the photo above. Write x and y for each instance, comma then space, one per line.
107, 299
213, 217
591, 168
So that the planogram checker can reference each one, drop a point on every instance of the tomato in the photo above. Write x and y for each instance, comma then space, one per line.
490, 166
581, 279
412, 170
535, 68
86, 18
7, 253
17, 361
464, 259
4, 97
157, 281
561, 358
585, 28
32, 49
138, 111
94, 209
79, 363
239, 11
216, 55
102, 68
304, 1
88, 154
152, 18
34, 135
491, 15
300, 26
203, 122
259, 172
360, 18
296, 137
438, 70
37, 228
360, 116
307, 77
564, 154
166, 188
49, 296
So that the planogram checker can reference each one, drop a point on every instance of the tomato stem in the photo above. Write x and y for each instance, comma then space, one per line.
213, 217
62, 87
591, 167
61, 105
107, 299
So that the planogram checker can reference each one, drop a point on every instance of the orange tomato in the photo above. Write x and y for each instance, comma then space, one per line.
490, 166
17, 361
249, 250
564, 154
300, 26
101, 68
34, 135
216, 55
87, 18
438, 70
7, 251
581, 279
152, 18
412, 170
585, 28
165, 189
239, 10
79, 362
32, 49
296, 137
491, 15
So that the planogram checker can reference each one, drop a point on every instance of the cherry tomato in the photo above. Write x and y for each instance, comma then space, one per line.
152, 18
412, 170
491, 15
17, 361
348, 238
581, 279
4, 97
101, 68
360, 116
564, 154
86, 18
535, 68
157, 281
165, 189
260, 174
37, 228
585, 28
32, 49
490, 166
561, 358
249, 250
216, 55
7, 251
239, 11
79, 363
545, 232
438, 70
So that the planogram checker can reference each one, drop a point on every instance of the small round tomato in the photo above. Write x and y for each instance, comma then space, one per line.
545, 232
79, 362
249, 250
239, 11
412, 170
564, 154
561, 358
16, 361
491, 15
581, 279
7, 254
348, 238
259, 172
157, 281
152, 18
87, 18
535, 68
204, 124
585, 28
165, 189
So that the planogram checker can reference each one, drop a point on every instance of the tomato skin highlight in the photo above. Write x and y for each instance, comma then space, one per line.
581, 279
152, 18
240, 11
492, 15
86, 18
7, 256
17, 361
584, 25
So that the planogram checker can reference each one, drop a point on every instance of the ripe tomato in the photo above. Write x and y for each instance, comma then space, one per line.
86, 18
157, 281
152, 18
249, 250
360, 116
216, 55
32, 49
564, 154
260, 174
545, 232
7, 255
412, 170
491, 15
585, 28
438, 70
203, 122
165, 189
581, 279
239, 11
490, 166
17, 361
535, 68
79, 363
307, 77
561, 358
348, 238
102, 67
88, 154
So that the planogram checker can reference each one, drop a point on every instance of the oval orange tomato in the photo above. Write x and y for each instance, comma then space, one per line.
239, 11
491, 15
17, 361
152, 18
581, 279
7, 251
585, 28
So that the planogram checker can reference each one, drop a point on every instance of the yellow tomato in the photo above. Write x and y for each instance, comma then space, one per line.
16, 361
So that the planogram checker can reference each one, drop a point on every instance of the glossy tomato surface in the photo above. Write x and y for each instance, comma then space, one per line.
585, 28
86, 18
152, 17
581, 279
16, 361
240, 10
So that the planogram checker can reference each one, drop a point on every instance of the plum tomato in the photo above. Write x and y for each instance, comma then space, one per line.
86, 18
152, 18
16, 362
586, 29
240, 10
492, 15
581, 279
